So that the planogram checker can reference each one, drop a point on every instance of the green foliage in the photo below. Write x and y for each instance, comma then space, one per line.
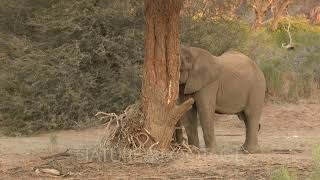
290, 75
316, 156
216, 36
282, 174
316, 160
273, 72
300, 87
303, 33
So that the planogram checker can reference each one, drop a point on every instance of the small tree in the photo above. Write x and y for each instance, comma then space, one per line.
278, 7
260, 8
212, 8
315, 15
290, 45
161, 70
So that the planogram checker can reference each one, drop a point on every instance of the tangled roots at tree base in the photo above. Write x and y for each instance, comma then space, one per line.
125, 136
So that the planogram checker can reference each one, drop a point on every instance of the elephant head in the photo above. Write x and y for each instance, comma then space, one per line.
198, 69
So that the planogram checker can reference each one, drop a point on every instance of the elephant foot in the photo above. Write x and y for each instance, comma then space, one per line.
212, 149
250, 149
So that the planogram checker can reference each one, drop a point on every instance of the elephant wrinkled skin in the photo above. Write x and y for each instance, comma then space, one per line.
229, 84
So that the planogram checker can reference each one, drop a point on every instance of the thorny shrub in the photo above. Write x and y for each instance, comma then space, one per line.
65, 63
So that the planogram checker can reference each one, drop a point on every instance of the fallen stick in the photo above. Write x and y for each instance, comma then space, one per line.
49, 172
13, 170
229, 134
65, 153
287, 151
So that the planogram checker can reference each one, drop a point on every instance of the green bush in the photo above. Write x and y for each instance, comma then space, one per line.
216, 36
303, 33
316, 160
73, 60
290, 74
273, 73
282, 174
300, 87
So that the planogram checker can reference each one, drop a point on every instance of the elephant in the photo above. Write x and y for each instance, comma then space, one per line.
228, 84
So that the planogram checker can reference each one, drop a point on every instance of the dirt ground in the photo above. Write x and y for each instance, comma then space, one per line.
288, 134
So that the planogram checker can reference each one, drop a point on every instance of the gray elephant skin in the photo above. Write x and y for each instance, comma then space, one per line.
228, 84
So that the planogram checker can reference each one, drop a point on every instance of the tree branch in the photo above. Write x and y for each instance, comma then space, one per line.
179, 110
290, 45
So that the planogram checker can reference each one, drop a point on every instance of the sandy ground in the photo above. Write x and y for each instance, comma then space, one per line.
288, 134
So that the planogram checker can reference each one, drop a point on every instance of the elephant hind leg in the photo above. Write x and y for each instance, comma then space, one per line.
253, 113
252, 123
242, 117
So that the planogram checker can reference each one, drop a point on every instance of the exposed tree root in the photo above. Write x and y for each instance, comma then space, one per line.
125, 135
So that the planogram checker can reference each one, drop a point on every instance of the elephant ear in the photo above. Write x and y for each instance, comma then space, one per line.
205, 70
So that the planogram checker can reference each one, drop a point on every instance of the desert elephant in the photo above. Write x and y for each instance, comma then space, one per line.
228, 84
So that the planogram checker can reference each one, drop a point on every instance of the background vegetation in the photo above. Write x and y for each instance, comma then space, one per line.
63, 61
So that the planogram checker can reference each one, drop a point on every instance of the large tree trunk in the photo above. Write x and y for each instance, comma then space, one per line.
161, 70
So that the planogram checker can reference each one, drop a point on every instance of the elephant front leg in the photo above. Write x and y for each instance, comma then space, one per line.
207, 123
205, 101
190, 122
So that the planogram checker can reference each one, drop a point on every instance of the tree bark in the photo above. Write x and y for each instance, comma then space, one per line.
161, 70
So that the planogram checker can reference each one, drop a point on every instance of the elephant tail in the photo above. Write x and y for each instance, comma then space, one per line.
241, 116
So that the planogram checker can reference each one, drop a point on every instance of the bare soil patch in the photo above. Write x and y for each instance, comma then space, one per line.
288, 134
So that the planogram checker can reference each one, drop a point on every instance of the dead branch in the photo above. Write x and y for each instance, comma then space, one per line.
290, 45
187, 147
49, 171
65, 153
229, 134
153, 145
126, 137
287, 151
149, 134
